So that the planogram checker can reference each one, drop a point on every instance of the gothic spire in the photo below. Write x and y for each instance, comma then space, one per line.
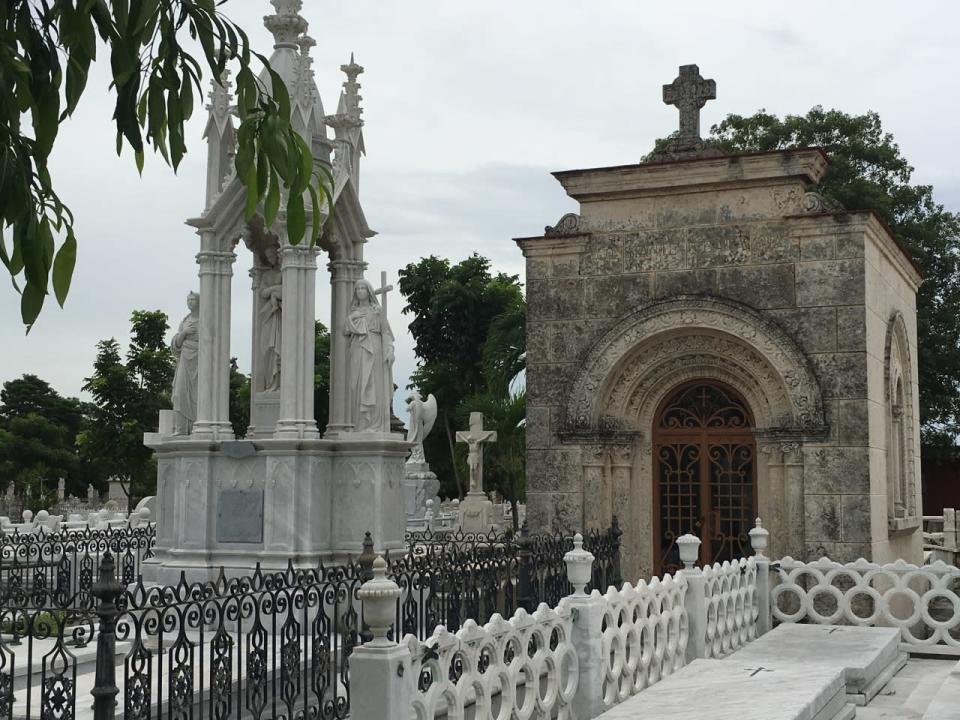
286, 24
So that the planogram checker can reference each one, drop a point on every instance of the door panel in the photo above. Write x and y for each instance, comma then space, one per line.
704, 469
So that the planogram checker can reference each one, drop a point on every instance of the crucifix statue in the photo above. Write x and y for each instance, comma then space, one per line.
475, 438
689, 92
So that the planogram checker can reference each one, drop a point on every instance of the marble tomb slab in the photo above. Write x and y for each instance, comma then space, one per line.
726, 690
869, 656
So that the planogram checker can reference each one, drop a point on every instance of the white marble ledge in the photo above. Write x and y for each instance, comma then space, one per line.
725, 690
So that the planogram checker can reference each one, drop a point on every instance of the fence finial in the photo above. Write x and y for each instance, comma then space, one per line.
759, 538
689, 546
579, 566
379, 596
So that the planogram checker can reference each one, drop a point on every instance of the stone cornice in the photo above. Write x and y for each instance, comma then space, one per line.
559, 245
772, 168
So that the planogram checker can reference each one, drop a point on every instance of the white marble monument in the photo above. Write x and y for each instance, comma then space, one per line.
476, 511
420, 484
283, 492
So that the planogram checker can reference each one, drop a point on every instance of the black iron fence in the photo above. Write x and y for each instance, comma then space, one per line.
44, 570
267, 646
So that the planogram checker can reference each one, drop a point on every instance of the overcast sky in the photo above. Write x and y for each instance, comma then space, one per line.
468, 107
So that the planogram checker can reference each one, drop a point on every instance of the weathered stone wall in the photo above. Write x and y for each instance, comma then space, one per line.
641, 238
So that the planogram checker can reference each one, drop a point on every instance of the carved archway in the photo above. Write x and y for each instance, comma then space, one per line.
627, 375
704, 460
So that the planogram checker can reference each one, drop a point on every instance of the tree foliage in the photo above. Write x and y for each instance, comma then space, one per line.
455, 307
46, 50
868, 172
128, 394
38, 431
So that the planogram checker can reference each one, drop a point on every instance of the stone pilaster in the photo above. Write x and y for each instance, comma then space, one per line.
299, 269
213, 381
794, 500
343, 275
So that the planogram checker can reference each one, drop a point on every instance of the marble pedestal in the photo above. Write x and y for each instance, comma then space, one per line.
419, 485
234, 504
477, 513
264, 415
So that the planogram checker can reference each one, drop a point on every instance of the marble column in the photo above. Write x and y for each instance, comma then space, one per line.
299, 269
213, 381
343, 275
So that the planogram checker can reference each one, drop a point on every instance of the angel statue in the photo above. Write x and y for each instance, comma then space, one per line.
422, 417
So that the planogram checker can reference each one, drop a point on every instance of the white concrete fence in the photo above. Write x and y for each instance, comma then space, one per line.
595, 650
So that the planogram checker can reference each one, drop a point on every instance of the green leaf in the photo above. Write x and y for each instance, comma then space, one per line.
296, 219
63, 267
31, 303
272, 205
253, 198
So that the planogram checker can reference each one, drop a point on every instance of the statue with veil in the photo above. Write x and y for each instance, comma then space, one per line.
371, 361
186, 350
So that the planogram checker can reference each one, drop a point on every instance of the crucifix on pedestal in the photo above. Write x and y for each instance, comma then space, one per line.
475, 438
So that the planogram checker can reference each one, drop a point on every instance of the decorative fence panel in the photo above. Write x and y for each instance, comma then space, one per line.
524, 667
922, 601
645, 632
733, 606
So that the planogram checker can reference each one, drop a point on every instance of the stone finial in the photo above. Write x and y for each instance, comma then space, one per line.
379, 597
579, 564
689, 92
221, 96
759, 538
689, 546
286, 24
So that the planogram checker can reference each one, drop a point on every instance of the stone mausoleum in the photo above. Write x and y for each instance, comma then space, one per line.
710, 340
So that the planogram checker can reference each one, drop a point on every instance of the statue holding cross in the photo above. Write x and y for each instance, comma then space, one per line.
371, 358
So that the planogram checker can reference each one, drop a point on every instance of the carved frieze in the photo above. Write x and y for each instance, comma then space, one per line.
764, 345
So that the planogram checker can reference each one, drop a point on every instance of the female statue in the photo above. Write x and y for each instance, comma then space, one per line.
371, 361
269, 315
186, 347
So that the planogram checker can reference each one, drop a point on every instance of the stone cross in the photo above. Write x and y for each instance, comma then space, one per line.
475, 438
689, 92
757, 671
383, 290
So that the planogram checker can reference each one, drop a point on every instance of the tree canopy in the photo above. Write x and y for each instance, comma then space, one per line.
457, 308
46, 50
868, 172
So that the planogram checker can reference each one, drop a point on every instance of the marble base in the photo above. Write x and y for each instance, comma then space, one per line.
868, 656
271, 500
477, 514
726, 690
264, 415
419, 485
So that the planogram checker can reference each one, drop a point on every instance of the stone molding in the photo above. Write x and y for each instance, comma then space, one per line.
569, 224
766, 351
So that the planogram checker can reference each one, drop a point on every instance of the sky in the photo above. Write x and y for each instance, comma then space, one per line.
468, 108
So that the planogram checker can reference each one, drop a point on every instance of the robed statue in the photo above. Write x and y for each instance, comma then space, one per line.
186, 350
270, 319
371, 361
423, 414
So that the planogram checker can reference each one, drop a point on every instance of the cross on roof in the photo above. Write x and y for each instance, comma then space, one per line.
689, 92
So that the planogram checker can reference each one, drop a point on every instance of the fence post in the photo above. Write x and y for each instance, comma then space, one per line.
525, 593
381, 674
587, 632
107, 590
695, 601
616, 533
366, 575
759, 538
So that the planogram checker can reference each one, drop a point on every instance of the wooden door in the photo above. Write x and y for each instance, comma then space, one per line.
704, 474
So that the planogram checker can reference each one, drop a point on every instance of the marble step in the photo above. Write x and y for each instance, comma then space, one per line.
725, 690
868, 656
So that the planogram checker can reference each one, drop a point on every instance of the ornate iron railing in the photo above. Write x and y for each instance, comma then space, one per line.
45, 570
265, 646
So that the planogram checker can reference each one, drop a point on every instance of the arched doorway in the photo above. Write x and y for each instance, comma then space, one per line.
704, 469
